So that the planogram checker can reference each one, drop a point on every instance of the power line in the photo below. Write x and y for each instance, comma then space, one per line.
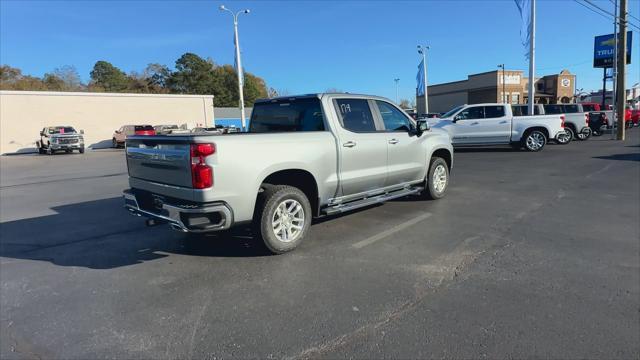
602, 12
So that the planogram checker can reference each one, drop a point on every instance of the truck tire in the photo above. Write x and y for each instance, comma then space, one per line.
572, 134
534, 140
584, 135
564, 139
81, 150
283, 218
437, 180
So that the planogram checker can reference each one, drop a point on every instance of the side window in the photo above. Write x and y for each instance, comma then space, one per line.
355, 115
393, 119
517, 110
474, 112
493, 111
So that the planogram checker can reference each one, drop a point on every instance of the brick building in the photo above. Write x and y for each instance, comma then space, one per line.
488, 87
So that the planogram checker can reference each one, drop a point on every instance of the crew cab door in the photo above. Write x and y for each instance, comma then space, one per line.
362, 147
406, 157
482, 125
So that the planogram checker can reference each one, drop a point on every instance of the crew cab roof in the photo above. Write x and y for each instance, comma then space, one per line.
321, 95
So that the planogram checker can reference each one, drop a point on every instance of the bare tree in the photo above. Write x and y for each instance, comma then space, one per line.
69, 76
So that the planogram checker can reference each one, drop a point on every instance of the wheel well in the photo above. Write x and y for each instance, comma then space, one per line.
544, 131
300, 179
445, 154
570, 125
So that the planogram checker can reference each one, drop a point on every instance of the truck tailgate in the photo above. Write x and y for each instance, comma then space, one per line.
165, 161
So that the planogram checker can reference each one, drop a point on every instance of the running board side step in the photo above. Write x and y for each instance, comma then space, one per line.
340, 208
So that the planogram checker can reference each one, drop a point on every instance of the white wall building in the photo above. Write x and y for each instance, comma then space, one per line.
24, 113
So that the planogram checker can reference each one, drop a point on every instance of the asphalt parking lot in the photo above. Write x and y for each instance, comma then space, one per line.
528, 255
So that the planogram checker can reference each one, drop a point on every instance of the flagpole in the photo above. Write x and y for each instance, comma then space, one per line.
532, 57
424, 64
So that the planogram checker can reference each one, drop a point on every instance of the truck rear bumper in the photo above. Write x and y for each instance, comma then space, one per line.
182, 217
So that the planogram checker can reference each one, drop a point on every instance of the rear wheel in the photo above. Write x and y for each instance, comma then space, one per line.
534, 140
49, 150
584, 134
81, 150
563, 138
283, 218
572, 134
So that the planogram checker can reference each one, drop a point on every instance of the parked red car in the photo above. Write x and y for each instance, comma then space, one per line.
120, 135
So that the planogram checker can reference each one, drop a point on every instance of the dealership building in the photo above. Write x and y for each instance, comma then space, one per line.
488, 87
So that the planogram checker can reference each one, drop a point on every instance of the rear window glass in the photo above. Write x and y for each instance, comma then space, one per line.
287, 115
589, 107
143, 127
493, 111
571, 108
62, 130
553, 109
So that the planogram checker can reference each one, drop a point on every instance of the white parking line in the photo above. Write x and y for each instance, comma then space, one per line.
395, 229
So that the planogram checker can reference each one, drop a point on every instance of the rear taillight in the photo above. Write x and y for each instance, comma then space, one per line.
201, 173
586, 118
562, 121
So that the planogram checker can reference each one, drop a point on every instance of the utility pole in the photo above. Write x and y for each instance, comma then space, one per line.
532, 58
236, 42
397, 80
621, 93
504, 99
614, 69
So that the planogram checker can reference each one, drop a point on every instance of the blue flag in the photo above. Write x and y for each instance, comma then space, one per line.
420, 79
524, 7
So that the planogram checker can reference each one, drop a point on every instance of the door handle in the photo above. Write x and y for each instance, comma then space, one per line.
475, 123
349, 144
503, 122
393, 141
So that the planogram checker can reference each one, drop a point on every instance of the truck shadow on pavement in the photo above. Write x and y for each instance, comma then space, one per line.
100, 234
624, 157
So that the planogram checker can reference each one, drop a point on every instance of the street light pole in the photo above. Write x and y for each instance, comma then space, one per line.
238, 62
501, 66
423, 51
397, 80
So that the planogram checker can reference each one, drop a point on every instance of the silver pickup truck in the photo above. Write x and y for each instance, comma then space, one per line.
303, 157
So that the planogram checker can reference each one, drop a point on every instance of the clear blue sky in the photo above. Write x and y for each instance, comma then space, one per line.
305, 46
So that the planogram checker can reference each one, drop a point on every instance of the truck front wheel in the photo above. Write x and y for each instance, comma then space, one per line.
437, 179
283, 217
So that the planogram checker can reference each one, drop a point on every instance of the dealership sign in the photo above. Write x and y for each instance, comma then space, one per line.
604, 50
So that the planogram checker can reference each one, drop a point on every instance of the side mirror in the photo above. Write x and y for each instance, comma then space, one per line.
41, 133
422, 126
82, 132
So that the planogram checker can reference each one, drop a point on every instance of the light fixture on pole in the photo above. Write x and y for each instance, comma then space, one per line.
423, 51
397, 80
238, 62
504, 98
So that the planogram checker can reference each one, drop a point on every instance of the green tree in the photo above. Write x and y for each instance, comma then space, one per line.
157, 76
193, 75
254, 89
108, 77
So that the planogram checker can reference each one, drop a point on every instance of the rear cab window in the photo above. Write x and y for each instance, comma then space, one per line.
143, 127
287, 115
553, 109
570, 109
493, 111
355, 115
